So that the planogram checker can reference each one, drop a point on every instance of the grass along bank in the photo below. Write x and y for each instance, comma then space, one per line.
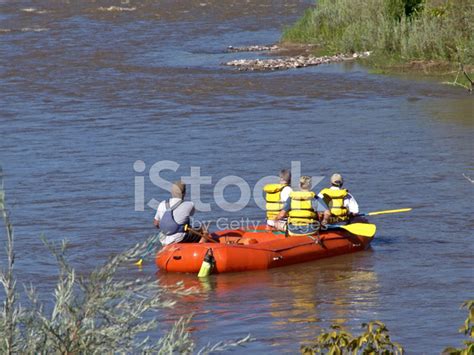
399, 33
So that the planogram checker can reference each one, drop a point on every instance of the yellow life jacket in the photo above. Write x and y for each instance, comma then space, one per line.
273, 197
335, 201
301, 208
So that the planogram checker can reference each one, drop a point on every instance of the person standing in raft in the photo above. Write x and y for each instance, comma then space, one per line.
276, 196
304, 210
342, 204
173, 217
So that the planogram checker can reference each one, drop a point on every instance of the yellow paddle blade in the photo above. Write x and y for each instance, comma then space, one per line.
389, 211
139, 262
363, 229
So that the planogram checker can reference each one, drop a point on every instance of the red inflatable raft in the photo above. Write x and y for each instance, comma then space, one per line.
240, 250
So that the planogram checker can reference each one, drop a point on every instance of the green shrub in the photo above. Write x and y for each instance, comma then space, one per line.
95, 314
406, 29
397, 9
374, 340
467, 329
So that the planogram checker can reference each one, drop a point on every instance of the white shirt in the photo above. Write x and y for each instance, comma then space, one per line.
180, 214
349, 201
284, 195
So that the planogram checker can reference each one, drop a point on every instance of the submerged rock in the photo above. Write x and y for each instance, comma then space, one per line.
300, 61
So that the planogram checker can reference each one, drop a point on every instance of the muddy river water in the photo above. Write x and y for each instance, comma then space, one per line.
88, 89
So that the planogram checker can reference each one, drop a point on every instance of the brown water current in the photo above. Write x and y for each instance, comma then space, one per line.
88, 88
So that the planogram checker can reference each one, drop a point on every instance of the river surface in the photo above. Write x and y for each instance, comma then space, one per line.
88, 89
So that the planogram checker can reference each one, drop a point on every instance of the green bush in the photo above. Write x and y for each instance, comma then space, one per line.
467, 329
374, 340
97, 314
397, 9
405, 29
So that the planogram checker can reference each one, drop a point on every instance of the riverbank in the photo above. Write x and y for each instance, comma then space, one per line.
431, 37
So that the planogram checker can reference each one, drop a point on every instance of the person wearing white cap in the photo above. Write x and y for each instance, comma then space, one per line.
341, 203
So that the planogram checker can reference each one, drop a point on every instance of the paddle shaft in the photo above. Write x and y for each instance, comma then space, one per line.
202, 235
375, 213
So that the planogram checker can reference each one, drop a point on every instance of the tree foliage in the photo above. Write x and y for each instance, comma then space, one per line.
398, 9
98, 313
466, 329
374, 340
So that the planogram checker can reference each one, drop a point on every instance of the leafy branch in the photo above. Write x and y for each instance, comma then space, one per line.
97, 313
374, 340
467, 329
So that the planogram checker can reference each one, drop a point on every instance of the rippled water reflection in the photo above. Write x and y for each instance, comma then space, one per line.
87, 88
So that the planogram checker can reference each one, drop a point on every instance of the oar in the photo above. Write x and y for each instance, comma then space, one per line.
202, 235
139, 262
363, 229
385, 212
